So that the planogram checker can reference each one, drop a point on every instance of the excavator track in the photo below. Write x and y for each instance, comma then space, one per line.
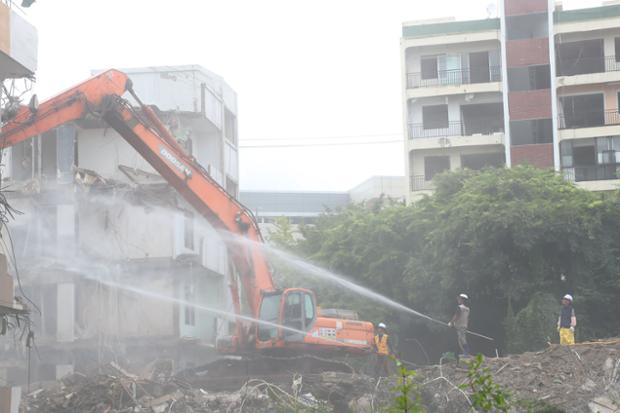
231, 374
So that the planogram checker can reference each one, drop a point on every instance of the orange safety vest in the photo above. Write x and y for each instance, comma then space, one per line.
382, 344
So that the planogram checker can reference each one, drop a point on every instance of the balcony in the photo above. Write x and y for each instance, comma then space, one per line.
588, 70
456, 128
419, 183
456, 134
586, 65
589, 119
456, 77
454, 82
591, 173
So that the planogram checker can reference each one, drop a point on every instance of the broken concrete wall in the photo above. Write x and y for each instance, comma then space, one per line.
110, 313
117, 230
206, 287
49, 158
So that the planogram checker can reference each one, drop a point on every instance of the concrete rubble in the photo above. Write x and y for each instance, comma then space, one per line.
583, 378
116, 391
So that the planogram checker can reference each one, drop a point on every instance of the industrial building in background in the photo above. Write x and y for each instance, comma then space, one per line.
304, 207
538, 85
94, 207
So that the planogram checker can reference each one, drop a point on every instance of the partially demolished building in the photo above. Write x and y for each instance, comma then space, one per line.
94, 209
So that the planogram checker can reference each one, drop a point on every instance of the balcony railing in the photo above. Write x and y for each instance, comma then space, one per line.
455, 128
591, 173
589, 119
586, 65
456, 77
419, 183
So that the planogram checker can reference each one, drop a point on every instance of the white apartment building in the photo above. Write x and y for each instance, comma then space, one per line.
536, 85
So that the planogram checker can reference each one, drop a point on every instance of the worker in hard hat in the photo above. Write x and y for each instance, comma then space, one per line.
567, 321
383, 349
460, 322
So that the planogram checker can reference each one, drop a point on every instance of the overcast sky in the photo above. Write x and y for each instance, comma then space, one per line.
322, 69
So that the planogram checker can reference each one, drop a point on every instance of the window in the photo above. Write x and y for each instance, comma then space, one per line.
293, 312
617, 48
230, 126
529, 78
434, 165
566, 154
308, 310
429, 67
269, 311
529, 26
188, 230
484, 118
527, 132
435, 117
479, 67
585, 56
482, 160
608, 150
582, 111
190, 312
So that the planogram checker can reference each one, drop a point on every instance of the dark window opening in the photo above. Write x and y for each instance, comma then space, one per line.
308, 310
582, 111
293, 313
483, 118
586, 56
188, 230
434, 165
479, 67
528, 132
22, 160
529, 78
482, 160
231, 187
435, 117
529, 26
429, 67
617, 48
591, 159
190, 312
230, 126
49, 309
584, 156
49, 159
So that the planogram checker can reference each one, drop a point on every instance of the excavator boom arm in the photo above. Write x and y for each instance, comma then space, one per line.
101, 96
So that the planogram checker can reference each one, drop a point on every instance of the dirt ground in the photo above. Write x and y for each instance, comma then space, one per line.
581, 378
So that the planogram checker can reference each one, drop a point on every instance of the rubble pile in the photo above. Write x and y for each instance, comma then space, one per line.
118, 392
580, 378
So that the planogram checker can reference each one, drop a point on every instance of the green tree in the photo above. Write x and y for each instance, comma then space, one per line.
505, 234
501, 235
284, 234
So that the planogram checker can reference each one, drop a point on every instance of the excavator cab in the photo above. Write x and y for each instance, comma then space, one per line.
294, 308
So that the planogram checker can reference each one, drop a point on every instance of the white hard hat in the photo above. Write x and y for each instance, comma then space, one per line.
568, 297
381, 325
464, 296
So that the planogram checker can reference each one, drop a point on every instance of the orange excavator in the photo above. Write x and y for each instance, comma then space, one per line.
295, 308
